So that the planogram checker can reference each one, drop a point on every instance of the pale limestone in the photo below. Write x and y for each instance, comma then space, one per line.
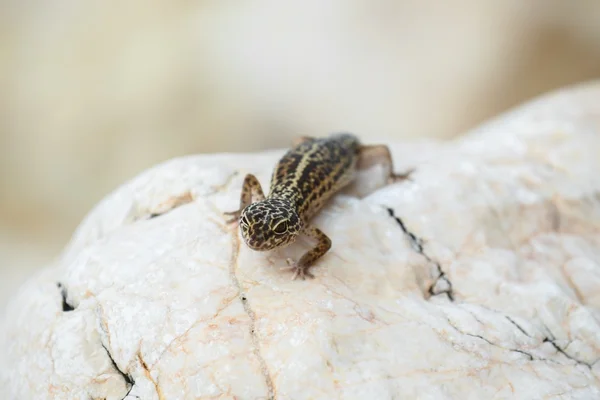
477, 279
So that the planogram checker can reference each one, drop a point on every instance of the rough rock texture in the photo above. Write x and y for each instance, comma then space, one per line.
478, 279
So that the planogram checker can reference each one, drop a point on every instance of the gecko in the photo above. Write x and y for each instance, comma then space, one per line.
308, 175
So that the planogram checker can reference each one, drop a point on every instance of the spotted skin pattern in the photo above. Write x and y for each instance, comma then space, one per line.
302, 182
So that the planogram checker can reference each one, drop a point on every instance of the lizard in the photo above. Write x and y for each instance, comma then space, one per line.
308, 175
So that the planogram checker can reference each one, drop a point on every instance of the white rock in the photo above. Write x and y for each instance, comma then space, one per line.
478, 279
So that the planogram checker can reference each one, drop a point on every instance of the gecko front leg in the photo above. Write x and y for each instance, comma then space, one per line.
301, 266
251, 192
369, 155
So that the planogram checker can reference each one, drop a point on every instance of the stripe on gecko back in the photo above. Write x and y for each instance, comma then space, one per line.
310, 173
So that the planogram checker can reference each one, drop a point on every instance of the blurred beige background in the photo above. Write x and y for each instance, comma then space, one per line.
93, 92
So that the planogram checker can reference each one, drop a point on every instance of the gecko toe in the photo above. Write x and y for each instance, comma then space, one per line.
299, 271
405, 176
235, 216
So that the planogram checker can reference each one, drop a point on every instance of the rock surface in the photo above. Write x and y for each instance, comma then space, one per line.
478, 279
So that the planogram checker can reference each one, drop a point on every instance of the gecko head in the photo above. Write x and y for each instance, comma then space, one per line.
269, 224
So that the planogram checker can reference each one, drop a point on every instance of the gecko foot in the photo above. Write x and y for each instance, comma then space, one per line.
235, 216
299, 270
405, 176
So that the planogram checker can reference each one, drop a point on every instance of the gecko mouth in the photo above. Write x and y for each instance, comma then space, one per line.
257, 247
260, 244
256, 244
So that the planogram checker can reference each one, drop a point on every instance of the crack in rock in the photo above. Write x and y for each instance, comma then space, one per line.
128, 379
171, 204
149, 376
179, 200
512, 321
442, 283
245, 303
417, 245
563, 352
66, 307
509, 318
529, 355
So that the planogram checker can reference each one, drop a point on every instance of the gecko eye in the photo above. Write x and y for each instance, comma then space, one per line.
281, 228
